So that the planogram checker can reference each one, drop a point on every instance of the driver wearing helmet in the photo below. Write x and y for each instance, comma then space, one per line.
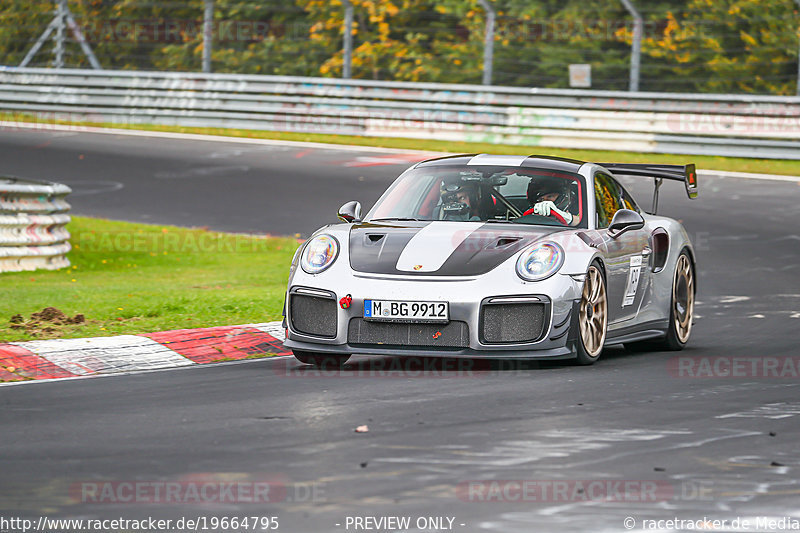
551, 197
459, 201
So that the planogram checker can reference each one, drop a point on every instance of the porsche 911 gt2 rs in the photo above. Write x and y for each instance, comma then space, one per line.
496, 257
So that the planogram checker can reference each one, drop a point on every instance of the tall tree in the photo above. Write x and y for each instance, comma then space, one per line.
730, 46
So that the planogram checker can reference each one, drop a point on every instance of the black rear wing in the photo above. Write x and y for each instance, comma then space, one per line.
685, 173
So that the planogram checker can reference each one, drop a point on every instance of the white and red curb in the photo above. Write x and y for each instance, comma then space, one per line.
68, 358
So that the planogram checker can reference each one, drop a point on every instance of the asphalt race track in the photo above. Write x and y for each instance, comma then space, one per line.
707, 433
225, 186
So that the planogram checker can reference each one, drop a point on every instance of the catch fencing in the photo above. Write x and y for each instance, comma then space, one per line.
703, 124
33, 219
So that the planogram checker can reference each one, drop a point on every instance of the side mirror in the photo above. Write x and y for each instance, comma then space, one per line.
350, 212
624, 220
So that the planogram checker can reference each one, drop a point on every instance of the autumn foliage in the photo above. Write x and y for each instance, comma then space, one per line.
747, 46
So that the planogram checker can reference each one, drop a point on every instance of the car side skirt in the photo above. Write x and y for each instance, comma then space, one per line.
654, 329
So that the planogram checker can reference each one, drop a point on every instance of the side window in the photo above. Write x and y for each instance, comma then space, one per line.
627, 200
607, 199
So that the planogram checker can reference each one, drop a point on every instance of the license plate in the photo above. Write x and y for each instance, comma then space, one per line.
398, 310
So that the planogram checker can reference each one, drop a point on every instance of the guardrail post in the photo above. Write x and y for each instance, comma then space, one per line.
208, 34
636, 47
488, 42
348, 40
59, 40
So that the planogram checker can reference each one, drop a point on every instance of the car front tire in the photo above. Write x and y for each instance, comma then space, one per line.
592, 317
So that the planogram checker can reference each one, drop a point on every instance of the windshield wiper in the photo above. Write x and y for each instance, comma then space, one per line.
500, 221
401, 219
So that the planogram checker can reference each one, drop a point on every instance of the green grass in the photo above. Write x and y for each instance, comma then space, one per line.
137, 278
766, 166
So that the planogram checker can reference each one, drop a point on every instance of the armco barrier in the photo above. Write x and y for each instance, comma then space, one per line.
32, 225
710, 124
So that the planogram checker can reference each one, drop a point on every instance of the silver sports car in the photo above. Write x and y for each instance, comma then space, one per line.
496, 257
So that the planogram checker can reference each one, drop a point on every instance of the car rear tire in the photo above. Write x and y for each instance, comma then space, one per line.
682, 306
592, 317
681, 312
323, 360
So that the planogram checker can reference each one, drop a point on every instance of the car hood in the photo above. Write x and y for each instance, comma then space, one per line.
438, 248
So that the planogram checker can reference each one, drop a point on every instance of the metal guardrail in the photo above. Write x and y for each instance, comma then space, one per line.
33, 221
728, 125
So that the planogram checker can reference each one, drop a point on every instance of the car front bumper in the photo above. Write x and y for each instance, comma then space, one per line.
559, 294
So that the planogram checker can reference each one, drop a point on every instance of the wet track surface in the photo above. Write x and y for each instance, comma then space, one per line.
225, 186
710, 432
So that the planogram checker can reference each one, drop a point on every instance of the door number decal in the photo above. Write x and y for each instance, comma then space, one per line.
633, 280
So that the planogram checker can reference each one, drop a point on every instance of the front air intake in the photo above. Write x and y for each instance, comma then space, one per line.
454, 334
505, 321
313, 313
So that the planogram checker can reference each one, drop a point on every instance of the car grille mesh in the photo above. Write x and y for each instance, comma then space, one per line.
513, 323
312, 315
454, 334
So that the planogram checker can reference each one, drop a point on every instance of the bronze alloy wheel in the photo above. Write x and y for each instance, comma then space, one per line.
593, 312
683, 298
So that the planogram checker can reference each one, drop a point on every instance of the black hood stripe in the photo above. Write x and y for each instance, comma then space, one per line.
376, 248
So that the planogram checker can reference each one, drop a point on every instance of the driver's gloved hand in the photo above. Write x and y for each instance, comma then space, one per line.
548, 208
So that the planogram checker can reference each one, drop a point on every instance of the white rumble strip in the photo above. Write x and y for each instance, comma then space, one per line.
124, 353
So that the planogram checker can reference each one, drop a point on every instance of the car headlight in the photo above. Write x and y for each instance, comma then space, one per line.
540, 261
319, 254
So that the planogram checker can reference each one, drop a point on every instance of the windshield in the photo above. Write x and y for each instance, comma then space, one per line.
485, 194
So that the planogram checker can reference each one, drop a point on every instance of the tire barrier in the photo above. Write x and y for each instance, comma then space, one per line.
33, 219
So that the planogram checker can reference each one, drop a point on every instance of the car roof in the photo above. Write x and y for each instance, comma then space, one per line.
531, 161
